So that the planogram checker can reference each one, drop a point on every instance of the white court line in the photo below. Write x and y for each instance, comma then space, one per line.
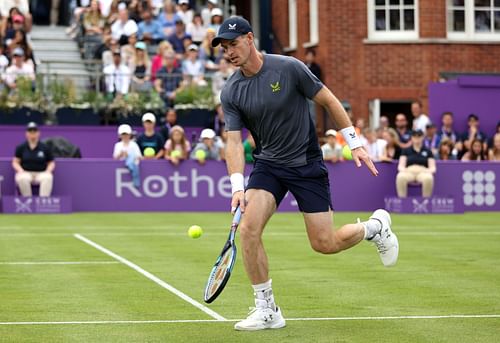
111, 322
152, 277
58, 263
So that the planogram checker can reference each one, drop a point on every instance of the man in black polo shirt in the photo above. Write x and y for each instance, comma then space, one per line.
33, 163
416, 164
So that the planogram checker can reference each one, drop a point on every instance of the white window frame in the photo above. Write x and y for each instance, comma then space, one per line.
292, 26
470, 33
391, 35
313, 25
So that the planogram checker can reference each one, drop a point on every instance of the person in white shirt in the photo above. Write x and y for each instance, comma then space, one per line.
123, 26
185, 12
117, 76
206, 12
192, 68
19, 68
374, 146
127, 150
196, 29
420, 120
332, 152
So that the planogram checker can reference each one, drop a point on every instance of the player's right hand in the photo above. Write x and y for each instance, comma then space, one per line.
238, 200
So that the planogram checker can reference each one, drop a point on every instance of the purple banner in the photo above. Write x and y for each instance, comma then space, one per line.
419, 205
105, 185
38, 205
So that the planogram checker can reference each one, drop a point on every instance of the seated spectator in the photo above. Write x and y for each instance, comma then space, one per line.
374, 146
107, 54
176, 39
420, 120
217, 17
248, 148
104, 46
149, 29
332, 151
206, 149
447, 128
193, 70
112, 14
123, 27
149, 139
210, 55
142, 72
18, 68
168, 18
494, 151
184, 12
472, 134
20, 41
4, 61
170, 122
416, 164
219, 125
93, 21
196, 29
177, 147
128, 52
402, 130
392, 150
14, 23
446, 150
497, 130
157, 61
117, 77
9, 11
127, 150
220, 77
168, 79
206, 12
34, 164
221, 142
431, 139
476, 151
135, 9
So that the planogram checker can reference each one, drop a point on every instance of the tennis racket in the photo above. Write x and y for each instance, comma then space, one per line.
221, 271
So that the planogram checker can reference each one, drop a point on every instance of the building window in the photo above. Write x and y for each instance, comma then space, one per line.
393, 19
473, 19
313, 25
292, 26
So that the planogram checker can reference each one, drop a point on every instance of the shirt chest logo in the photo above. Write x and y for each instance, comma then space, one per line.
275, 87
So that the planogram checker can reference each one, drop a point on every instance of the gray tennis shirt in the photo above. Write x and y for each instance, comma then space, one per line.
273, 105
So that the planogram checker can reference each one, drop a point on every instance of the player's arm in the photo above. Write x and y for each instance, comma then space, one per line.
235, 161
326, 99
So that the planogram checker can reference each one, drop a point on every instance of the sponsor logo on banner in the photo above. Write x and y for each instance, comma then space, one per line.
479, 188
18, 204
418, 205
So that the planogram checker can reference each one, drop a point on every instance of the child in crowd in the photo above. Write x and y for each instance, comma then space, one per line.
127, 150
177, 146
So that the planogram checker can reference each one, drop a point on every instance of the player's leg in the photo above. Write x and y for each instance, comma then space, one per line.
23, 181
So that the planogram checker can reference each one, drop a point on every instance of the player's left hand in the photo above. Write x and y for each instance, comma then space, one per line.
360, 155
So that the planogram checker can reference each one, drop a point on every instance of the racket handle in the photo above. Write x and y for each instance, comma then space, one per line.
237, 216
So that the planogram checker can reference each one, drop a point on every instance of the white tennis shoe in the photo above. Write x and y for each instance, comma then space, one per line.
386, 241
261, 318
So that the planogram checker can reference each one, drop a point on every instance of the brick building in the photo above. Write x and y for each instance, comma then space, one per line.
381, 54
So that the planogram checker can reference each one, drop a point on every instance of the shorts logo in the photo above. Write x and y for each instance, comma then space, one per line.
275, 87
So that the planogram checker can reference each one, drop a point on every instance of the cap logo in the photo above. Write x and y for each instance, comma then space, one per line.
232, 26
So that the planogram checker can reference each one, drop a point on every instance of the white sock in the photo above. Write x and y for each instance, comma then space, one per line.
264, 295
372, 228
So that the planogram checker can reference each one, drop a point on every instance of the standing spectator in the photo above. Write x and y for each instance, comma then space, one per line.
127, 150
217, 17
168, 17
206, 12
383, 123
446, 150
420, 120
142, 72
494, 152
177, 147
310, 61
249, 147
416, 164
168, 79
476, 151
431, 139
332, 152
149, 29
402, 130
447, 128
33, 163
473, 133
93, 21
184, 12
392, 150
374, 146
170, 122
177, 38
149, 138
117, 76
19, 68
193, 69
206, 147
157, 61
124, 26
196, 29
220, 77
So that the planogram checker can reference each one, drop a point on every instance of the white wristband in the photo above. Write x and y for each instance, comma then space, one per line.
237, 182
351, 137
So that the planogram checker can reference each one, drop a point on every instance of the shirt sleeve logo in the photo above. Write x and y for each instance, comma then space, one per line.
276, 87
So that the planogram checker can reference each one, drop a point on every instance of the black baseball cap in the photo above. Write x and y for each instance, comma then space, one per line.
32, 126
417, 133
231, 29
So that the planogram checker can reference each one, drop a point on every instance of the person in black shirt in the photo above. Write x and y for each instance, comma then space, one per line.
170, 122
150, 139
33, 163
416, 164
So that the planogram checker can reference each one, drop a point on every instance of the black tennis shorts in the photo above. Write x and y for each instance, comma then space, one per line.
309, 184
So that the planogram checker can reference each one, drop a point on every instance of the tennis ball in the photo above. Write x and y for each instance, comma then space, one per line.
149, 152
175, 153
200, 155
346, 152
195, 231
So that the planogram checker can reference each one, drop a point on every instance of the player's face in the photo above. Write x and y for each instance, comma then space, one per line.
237, 50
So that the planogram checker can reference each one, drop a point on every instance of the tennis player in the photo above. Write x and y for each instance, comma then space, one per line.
268, 95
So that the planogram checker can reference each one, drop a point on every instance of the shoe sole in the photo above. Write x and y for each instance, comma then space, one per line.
276, 326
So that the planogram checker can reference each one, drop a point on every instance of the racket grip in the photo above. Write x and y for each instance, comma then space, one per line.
237, 216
